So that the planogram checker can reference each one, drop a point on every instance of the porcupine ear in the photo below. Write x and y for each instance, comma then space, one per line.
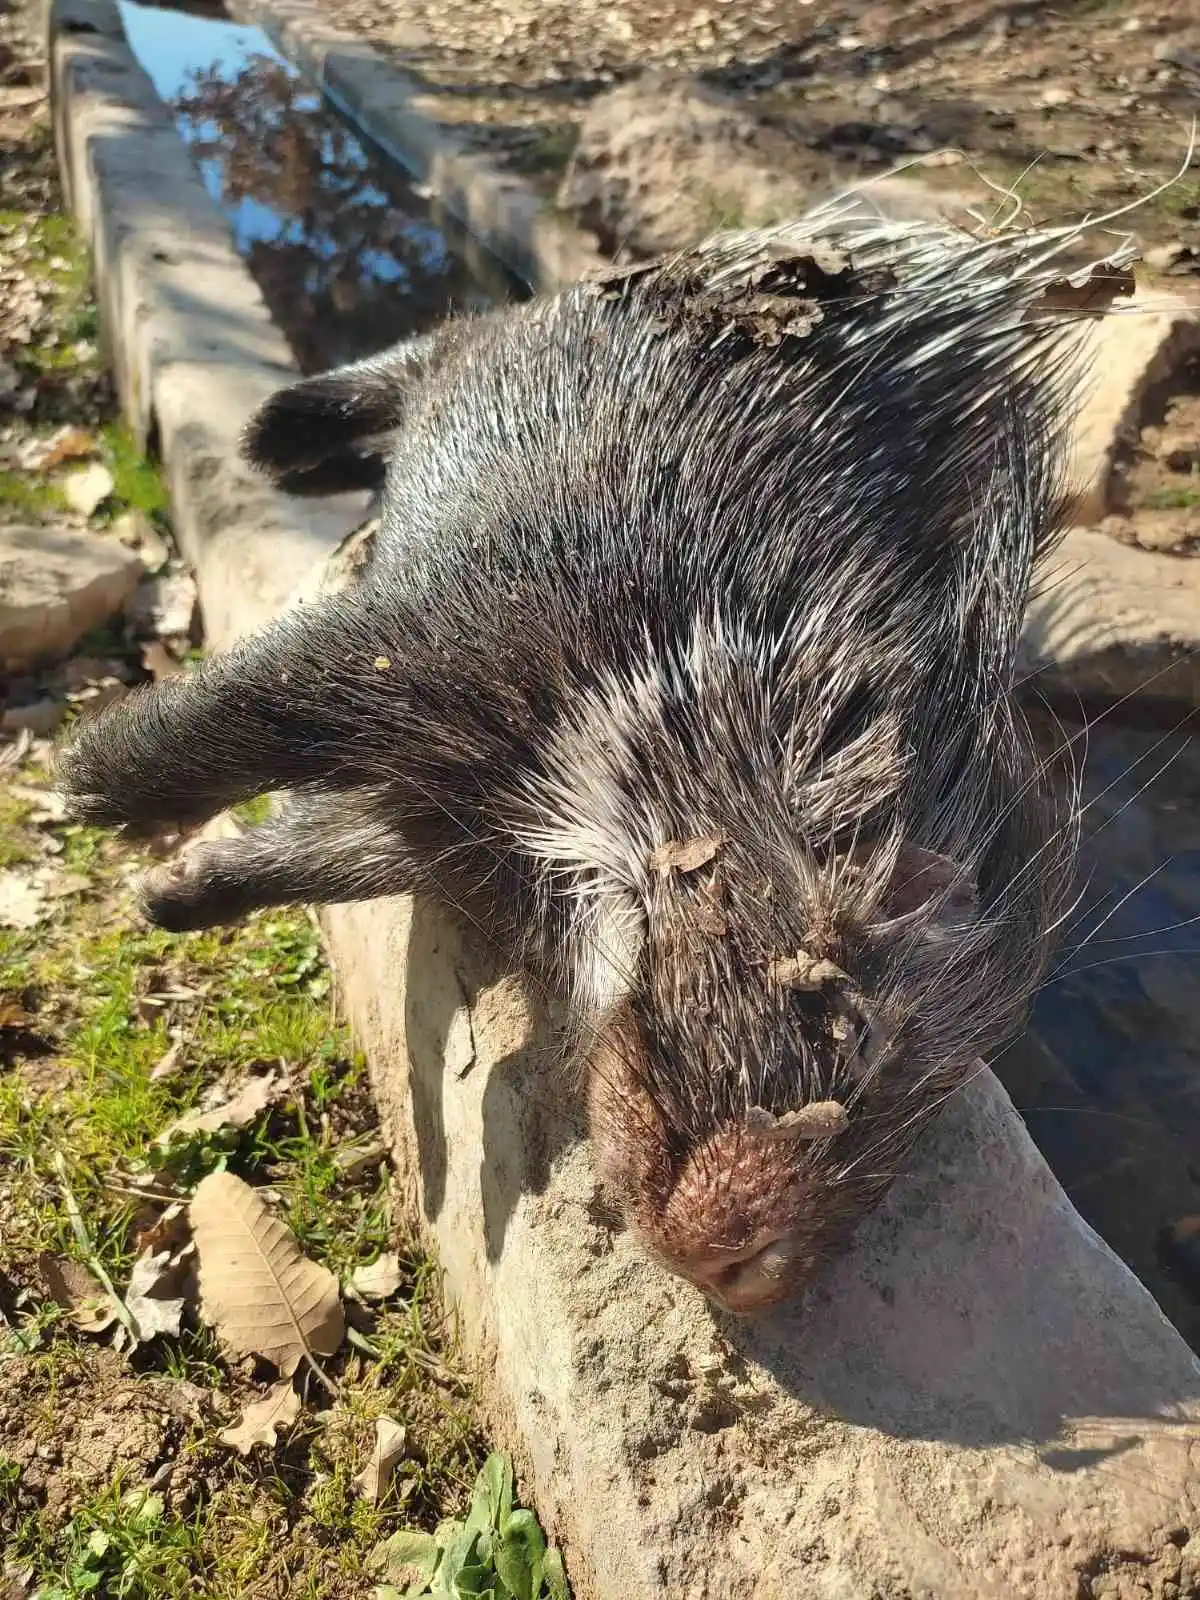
326, 434
921, 876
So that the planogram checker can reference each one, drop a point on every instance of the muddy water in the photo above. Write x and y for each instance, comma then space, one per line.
350, 257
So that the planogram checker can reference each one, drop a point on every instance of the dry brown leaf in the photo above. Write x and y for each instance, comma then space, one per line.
803, 971
171, 1231
372, 1482
380, 1280
153, 1297
277, 1409
22, 901
167, 1065
686, 855
13, 1015
1091, 291
66, 444
822, 1120
63, 884
254, 1097
82, 1296
257, 1288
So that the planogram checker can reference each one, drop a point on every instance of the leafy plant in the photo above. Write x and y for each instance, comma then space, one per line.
497, 1553
127, 1548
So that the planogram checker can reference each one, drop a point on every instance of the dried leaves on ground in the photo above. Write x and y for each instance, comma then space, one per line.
257, 1288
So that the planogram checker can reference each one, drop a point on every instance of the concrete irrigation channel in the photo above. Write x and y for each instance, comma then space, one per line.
980, 1400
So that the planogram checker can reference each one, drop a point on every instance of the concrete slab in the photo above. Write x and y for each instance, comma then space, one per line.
56, 584
980, 1400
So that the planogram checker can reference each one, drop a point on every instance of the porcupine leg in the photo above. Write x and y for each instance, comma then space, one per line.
270, 714
323, 848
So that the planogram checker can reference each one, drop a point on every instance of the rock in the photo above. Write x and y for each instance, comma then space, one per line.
40, 717
88, 488
1176, 257
135, 529
661, 162
1138, 346
1177, 531
164, 605
56, 584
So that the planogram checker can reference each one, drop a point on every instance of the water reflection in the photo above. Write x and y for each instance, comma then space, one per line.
1109, 1078
348, 256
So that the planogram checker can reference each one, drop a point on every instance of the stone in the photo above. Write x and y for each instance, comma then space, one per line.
164, 605
662, 161
39, 717
1135, 348
88, 488
56, 584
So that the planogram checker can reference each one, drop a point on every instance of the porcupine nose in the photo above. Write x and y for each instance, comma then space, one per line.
748, 1283
728, 1225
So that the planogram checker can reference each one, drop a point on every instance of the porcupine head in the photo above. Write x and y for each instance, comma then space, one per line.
683, 668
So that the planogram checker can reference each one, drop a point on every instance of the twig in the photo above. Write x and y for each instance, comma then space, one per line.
84, 1240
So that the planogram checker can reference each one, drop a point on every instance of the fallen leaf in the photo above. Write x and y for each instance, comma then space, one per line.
167, 1065
372, 1482
685, 856
82, 1296
63, 884
380, 1280
279, 1407
257, 1288
66, 444
48, 804
250, 1101
171, 1231
22, 901
822, 1120
88, 488
159, 661
353, 1158
153, 1297
803, 971
13, 1015
1091, 291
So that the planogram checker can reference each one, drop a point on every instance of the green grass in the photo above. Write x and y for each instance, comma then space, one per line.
92, 1131
27, 495
138, 483
1181, 498
126, 1544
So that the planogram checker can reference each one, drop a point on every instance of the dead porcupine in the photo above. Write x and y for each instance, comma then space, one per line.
684, 667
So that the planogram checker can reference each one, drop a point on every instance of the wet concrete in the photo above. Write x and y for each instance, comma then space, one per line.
350, 257
1108, 1076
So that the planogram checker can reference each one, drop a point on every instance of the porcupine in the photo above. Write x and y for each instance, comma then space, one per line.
683, 667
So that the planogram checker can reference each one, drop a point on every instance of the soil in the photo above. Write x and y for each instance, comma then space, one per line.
1099, 93
1081, 107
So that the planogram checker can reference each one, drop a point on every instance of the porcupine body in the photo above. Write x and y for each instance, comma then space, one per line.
683, 667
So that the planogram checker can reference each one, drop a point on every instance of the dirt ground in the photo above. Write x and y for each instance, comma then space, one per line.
1100, 93
1081, 107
